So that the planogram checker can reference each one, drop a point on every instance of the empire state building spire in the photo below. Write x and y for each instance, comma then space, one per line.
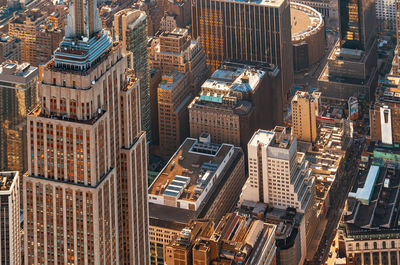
85, 41
83, 19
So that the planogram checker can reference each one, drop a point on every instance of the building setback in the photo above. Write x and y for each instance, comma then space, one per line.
85, 191
280, 176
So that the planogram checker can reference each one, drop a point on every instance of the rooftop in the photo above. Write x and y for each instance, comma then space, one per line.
373, 202
278, 137
305, 21
169, 81
17, 73
7, 179
191, 173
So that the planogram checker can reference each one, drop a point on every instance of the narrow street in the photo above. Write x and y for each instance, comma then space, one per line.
339, 189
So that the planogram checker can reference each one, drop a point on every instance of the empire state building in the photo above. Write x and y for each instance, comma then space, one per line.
85, 192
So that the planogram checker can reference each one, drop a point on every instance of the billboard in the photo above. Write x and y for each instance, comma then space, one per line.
353, 108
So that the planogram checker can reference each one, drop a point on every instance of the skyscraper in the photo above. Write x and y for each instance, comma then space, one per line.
85, 192
130, 27
357, 23
18, 96
351, 69
246, 31
304, 115
183, 65
280, 176
10, 237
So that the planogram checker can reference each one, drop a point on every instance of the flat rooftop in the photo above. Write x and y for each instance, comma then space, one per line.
373, 202
190, 174
242, 78
17, 73
170, 81
262, 136
305, 21
6, 180
278, 137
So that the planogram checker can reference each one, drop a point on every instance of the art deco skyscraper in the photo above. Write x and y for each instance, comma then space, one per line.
85, 193
257, 31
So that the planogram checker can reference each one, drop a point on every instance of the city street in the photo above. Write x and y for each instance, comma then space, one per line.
339, 189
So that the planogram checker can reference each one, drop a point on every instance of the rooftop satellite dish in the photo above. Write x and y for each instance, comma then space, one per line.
93, 82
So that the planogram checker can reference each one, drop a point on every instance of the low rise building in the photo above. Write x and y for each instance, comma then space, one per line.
384, 115
237, 238
234, 102
201, 180
371, 228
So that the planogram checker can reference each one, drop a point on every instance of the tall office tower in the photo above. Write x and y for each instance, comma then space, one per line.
85, 192
130, 27
154, 13
235, 102
10, 48
18, 96
304, 115
10, 236
351, 69
175, 51
257, 31
25, 27
385, 114
173, 115
183, 65
280, 176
